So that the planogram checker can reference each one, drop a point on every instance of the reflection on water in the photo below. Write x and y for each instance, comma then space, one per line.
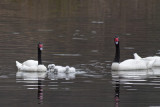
40, 92
117, 92
136, 82
62, 75
33, 77
78, 33
34, 80
30, 75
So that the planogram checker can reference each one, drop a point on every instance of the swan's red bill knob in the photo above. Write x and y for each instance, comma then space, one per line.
40, 46
116, 40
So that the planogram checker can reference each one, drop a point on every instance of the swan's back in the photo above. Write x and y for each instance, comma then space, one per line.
132, 64
150, 59
30, 63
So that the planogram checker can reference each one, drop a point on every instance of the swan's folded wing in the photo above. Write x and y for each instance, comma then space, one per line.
30, 63
133, 64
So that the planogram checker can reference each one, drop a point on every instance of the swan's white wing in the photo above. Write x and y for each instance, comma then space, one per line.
156, 58
30, 63
27, 68
133, 64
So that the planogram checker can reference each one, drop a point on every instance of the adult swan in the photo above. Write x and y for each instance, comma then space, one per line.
32, 65
129, 64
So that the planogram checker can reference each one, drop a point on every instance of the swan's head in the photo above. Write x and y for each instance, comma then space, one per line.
40, 46
51, 66
116, 40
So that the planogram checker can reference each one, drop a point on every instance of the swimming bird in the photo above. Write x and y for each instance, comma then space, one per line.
150, 58
33, 65
57, 69
70, 69
129, 64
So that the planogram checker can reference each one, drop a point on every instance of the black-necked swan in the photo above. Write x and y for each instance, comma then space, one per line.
32, 65
150, 58
129, 64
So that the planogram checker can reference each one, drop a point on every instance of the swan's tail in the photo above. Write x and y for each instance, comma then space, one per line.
18, 64
136, 56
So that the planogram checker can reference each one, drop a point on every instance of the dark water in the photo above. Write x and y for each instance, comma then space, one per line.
78, 33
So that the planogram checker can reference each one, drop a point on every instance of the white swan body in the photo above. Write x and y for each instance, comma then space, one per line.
132, 64
30, 65
150, 58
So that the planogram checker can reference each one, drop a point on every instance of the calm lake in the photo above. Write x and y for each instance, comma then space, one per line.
78, 33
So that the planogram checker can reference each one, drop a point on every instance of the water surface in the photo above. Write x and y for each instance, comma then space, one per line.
79, 34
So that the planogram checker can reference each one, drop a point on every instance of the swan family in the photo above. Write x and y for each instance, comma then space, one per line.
33, 65
138, 63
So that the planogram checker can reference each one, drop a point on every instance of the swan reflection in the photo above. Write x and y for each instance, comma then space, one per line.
25, 75
61, 75
141, 75
136, 77
33, 77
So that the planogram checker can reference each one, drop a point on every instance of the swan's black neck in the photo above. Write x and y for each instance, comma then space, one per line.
40, 46
117, 53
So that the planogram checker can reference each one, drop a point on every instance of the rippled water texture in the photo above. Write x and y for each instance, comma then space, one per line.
78, 33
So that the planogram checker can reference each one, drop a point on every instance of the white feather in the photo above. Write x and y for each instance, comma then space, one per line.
66, 69
150, 58
30, 65
132, 64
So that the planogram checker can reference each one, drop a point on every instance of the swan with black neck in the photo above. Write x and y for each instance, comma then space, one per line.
33, 65
129, 64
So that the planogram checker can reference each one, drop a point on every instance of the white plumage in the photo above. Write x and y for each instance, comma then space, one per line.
66, 69
132, 64
150, 58
70, 69
30, 65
